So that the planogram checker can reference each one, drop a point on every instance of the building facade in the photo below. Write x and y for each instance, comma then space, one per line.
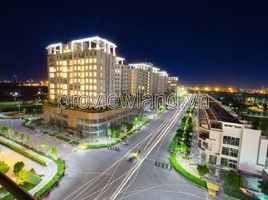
90, 67
122, 77
226, 143
85, 66
172, 84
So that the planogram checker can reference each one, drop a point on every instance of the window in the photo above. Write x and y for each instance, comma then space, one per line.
232, 163
212, 159
231, 140
228, 163
229, 152
224, 162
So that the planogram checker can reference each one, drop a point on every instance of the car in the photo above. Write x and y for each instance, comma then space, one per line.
135, 154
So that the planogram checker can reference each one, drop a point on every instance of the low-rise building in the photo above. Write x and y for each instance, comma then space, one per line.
225, 142
88, 123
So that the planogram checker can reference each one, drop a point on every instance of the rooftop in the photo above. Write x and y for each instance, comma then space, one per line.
216, 112
83, 44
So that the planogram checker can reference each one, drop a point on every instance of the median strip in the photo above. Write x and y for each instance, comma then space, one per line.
22, 152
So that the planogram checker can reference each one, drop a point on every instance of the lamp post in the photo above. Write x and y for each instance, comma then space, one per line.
108, 138
19, 108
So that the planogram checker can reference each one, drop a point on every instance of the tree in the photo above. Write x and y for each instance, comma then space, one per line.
129, 126
264, 108
18, 167
53, 151
202, 170
115, 133
232, 179
109, 132
183, 149
263, 185
143, 118
172, 146
135, 120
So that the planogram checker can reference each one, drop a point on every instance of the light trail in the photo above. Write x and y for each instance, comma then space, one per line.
165, 125
165, 131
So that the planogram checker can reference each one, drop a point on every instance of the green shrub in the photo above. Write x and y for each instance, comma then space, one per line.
63, 138
54, 180
30, 177
4, 168
18, 167
232, 184
202, 170
97, 146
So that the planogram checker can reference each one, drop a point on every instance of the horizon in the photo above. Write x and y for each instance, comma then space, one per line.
199, 43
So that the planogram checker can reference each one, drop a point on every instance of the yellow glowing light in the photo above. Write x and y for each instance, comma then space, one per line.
207, 89
217, 89
83, 146
230, 89
196, 88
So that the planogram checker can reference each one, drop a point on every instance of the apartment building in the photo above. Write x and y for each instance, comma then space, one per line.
90, 67
172, 84
147, 79
162, 82
84, 66
225, 142
122, 77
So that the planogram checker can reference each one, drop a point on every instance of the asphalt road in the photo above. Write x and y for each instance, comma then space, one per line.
106, 174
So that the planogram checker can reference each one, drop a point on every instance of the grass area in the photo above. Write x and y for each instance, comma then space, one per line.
60, 170
30, 177
185, 173
97, 146
22, 152
4, 167
10, 104
13, 106
54, 180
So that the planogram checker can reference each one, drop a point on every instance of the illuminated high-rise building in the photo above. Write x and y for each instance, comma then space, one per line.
85, 66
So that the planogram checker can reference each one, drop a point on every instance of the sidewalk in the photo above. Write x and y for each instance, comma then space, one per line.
194, 153
187, 165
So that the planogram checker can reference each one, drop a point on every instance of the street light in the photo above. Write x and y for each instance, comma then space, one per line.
108, 138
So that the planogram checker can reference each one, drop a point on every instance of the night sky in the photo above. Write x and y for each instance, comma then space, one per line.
202, 42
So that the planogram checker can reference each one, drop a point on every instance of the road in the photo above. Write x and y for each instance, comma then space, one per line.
106, 174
